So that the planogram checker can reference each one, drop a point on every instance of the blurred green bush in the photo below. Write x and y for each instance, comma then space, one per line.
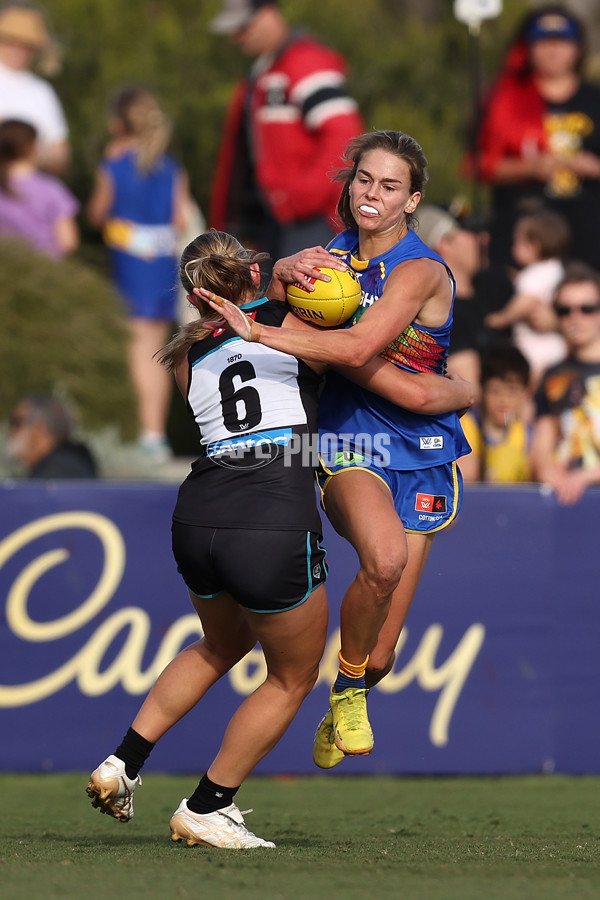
410, 67
63, 330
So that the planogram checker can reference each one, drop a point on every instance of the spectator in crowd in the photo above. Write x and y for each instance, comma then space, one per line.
460, 248
566, 440
142, 202
41, 438
24, 43
34, 206
499, 431
541, 243
479, 287
539, 140
288, 124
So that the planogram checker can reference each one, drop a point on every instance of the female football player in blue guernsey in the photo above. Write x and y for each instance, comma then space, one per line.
405, 317
246, 539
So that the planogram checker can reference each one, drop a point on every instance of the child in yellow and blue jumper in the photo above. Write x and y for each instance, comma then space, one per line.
499, 431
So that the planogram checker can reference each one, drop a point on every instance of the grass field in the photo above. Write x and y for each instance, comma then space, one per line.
339, 838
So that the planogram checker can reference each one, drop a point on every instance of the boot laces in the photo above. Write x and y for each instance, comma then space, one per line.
353, 712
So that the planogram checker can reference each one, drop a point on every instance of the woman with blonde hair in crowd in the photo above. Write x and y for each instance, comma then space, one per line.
141, 201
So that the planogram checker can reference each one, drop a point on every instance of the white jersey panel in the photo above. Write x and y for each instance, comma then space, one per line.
238, 388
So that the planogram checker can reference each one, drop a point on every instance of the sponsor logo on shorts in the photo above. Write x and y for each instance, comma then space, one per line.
345, 449
317, 571
431, 503
348, 457
431, 442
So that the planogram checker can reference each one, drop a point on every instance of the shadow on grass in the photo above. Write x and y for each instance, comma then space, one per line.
141, 841
90, 843
284, 842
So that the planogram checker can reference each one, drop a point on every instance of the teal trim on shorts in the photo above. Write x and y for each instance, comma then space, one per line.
311, 587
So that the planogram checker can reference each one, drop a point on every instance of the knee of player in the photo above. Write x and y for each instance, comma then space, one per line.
383, 572
298, 681
380, 663
310, 679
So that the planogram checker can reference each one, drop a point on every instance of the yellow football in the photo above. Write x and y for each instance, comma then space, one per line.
331, 303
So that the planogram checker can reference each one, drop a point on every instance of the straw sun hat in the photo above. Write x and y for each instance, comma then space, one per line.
23, 25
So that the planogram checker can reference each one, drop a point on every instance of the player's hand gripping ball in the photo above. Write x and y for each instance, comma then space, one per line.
331, 303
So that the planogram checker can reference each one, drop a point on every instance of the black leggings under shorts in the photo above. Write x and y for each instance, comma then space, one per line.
265, 571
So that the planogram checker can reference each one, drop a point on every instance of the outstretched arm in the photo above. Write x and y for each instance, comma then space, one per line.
410, 285
101, 200
569, 485
517, 309
419, 392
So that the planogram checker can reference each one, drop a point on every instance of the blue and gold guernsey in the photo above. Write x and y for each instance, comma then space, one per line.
410, 441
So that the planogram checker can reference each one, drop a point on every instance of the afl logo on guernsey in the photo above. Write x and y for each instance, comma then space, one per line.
431, 503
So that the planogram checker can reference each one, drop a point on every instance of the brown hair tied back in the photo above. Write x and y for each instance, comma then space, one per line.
17, 140
217, 262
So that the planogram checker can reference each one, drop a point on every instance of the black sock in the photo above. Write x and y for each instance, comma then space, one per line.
209, 796
134, 750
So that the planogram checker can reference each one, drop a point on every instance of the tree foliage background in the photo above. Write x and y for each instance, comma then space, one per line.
63, 330
410, 69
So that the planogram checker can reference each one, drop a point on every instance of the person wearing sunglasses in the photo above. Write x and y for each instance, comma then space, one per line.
566, 440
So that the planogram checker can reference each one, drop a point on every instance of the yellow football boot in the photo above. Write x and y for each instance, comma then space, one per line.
352, 732
325, 753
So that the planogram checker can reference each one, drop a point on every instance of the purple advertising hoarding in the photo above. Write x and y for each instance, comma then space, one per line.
497, 671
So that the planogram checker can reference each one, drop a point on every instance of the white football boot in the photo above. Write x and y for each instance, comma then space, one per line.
111, 791
223, 828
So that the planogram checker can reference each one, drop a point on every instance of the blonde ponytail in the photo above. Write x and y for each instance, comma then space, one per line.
143, 119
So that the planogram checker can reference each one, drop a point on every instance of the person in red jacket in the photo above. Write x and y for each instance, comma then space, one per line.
539, 141
288, 124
